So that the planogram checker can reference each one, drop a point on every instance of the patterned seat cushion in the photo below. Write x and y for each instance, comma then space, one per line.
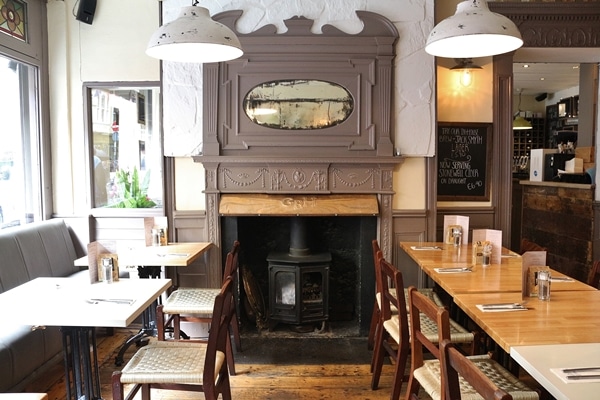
191, 301
429, 378
169, 362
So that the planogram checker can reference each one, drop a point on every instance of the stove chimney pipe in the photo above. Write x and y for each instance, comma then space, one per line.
298, 239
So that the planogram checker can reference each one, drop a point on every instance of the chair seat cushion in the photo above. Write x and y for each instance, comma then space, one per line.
458, 334
429, 378
426, 291
169, 362
191, 301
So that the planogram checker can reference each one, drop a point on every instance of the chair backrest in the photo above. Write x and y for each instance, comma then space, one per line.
390, 276
231, 261
377, 255
594, 276
419, 303
528, 245
215, 366
454, 363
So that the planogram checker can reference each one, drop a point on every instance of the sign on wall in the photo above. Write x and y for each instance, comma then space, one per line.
463, 161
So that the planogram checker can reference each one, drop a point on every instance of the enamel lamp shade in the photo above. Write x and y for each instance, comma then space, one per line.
473, 31
194, 37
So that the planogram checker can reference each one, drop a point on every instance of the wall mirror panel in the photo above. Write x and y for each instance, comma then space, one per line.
124, 144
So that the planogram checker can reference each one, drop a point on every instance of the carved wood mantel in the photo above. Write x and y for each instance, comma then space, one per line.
353, 158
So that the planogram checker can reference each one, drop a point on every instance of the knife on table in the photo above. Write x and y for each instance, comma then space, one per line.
581, 369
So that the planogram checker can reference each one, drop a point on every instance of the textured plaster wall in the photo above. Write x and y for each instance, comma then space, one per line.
414, 92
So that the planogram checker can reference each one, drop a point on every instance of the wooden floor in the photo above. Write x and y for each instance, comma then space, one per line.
335, 370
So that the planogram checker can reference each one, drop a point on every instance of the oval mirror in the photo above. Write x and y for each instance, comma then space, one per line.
300, 104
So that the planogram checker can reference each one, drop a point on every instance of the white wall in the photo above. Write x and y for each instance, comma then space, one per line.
111, 49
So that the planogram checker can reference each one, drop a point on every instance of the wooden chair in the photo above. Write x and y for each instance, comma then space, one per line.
528, 245
393, 336
594, 276
426, 373
454, 363
182, 365
375, 315
392, 333
195, 305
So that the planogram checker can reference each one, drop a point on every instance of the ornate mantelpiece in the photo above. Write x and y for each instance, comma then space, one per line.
354, 157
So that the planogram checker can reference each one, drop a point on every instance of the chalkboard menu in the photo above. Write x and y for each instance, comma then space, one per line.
463, 161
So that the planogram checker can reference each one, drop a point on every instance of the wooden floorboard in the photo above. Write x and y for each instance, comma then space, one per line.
256, 378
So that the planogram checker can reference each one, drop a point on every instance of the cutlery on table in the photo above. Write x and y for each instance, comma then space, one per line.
454, 269
505, 306
581, 369
117, 301
579, 377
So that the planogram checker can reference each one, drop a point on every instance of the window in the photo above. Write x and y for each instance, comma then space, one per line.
125, 145
20, 194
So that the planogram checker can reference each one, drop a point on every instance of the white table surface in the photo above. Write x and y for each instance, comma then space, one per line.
538, 360
64, 301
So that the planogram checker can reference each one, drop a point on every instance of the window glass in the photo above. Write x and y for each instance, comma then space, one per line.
126, 146
20, 194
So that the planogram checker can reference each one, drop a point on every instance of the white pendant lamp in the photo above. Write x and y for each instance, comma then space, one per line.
194, 37
474, 31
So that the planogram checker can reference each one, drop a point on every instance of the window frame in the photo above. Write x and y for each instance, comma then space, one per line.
88, 87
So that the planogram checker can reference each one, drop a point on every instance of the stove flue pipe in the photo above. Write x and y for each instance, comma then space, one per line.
298, 237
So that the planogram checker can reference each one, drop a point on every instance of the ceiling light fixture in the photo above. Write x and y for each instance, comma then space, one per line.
520, 123
466, 67
194, 37
473, 31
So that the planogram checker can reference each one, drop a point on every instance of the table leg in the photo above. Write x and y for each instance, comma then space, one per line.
82, 376
148, 316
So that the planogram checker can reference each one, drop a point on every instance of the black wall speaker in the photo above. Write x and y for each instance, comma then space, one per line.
86, 10
541, 96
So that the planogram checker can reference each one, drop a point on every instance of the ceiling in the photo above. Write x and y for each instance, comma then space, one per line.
555, 65
536, 78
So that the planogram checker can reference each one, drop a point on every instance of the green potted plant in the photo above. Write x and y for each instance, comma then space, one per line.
132, 193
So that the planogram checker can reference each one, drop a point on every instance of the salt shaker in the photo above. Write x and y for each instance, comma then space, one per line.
107, 269
543, 279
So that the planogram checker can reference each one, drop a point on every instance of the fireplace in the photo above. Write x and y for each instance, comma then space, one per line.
340, 175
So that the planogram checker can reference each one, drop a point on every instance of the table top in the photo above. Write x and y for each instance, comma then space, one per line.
503, 277
569, 317
171, 255
67, 301
539, 360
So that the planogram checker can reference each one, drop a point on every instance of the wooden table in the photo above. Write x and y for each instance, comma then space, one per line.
173, 254
67, 302
539, 360
503, 277
569, 317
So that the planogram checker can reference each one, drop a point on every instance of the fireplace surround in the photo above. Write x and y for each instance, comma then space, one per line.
324, 173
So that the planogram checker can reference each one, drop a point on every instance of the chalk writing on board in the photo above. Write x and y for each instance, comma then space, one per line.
463, 154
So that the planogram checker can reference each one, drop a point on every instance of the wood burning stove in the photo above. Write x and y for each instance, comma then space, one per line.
298, 281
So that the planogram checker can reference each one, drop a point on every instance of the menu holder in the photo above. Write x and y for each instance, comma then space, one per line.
95, 252
458, 220
534, 260
494, 237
